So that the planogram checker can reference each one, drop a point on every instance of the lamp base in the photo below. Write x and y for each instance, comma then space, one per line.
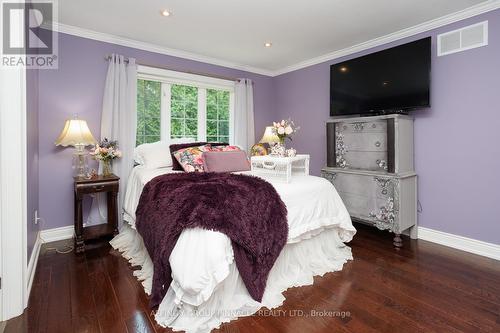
80, 164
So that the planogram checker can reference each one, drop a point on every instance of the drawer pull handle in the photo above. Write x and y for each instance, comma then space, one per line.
99, 187
377, 144
374, 126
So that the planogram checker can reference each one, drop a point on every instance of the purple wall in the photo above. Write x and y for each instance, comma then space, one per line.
457, 150
32, 156
77, 87
455, 140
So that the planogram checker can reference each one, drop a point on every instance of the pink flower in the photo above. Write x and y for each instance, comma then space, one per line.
288, 130
281, 130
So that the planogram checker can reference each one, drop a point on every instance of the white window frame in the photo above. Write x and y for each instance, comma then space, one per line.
168, 77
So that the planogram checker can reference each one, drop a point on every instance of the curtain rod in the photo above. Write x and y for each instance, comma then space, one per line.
108, 57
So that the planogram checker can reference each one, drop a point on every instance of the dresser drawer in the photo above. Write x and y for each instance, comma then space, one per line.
362, 207
377, 126
372, 161
364, 142
363, 185
371, 198
362, 145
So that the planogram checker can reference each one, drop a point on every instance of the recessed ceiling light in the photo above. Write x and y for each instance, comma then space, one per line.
268, 44
343, 69
165, 12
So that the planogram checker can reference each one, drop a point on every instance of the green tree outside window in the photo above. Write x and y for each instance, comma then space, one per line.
183, 112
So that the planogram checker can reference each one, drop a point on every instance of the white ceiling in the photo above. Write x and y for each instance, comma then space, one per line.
235, 30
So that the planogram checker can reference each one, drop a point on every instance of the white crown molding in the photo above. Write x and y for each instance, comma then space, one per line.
113, 39
33, 264
57, 234
460, 243
408, 32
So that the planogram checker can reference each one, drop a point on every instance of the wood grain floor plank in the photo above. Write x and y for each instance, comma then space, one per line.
435, 295
106, 305
430, 274
83, 312
59, 293
424, 287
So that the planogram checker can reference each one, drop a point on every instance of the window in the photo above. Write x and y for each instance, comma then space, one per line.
217, 115
176, 105
183, 111
148, 111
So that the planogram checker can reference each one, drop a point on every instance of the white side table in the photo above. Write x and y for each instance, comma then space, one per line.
282, 168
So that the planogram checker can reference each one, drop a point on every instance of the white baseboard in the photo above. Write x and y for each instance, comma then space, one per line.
32, 264
461, 243
44, 236
57, 234
457, 242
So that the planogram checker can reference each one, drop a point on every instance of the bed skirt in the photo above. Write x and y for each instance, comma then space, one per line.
296, 266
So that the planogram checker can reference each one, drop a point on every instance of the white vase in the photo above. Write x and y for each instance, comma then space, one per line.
278, 149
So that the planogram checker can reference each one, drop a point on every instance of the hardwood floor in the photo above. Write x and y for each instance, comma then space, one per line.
424, 287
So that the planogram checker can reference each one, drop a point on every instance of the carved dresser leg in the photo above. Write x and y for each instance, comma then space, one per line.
398, 242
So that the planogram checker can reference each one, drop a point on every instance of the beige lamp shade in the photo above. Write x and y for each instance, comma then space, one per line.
75, 133
269, 136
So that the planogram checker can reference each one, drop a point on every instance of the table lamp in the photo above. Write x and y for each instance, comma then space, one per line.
269, 137
76, 133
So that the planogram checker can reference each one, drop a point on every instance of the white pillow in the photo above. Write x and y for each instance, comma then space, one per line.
157, 154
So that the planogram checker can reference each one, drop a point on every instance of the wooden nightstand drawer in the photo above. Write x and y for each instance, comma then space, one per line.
97, 187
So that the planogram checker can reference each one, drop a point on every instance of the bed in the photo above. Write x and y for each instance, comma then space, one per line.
206, 288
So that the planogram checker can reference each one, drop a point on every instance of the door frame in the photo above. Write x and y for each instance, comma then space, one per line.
13, 192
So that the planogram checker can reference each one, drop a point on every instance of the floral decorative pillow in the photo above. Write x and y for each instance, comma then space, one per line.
225, 148
190, 158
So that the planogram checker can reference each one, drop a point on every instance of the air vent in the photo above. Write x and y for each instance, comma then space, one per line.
467, 38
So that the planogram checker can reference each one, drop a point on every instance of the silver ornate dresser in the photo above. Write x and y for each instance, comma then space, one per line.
370, 162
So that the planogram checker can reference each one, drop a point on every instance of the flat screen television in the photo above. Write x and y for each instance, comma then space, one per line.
389, 81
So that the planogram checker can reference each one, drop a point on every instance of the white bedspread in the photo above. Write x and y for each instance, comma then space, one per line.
312, 203
202, 259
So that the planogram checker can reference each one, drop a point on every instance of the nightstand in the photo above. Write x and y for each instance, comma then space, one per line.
100, 184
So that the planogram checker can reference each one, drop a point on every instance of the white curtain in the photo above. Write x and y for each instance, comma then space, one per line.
118, 122
244, 131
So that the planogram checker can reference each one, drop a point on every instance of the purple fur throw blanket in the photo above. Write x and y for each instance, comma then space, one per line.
247, 209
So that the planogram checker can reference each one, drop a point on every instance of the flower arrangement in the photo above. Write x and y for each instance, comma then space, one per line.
106, 151
284, 129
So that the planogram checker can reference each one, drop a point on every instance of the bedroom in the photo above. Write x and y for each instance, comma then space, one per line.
185, 73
